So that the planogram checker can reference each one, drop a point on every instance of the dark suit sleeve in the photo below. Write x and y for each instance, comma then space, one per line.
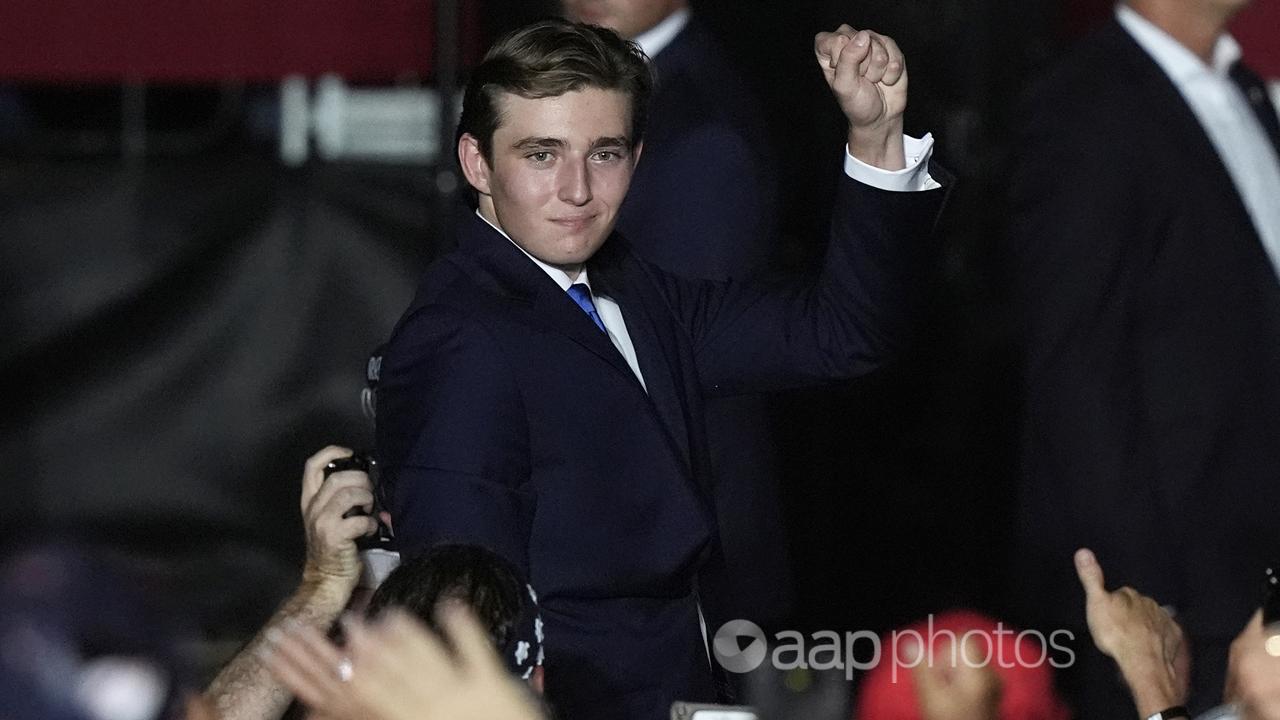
847, 321
453, 438
703, 208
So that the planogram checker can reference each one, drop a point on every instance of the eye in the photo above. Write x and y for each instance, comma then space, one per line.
541, 156
607, 155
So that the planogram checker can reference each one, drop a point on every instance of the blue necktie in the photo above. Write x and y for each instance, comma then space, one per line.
581, 294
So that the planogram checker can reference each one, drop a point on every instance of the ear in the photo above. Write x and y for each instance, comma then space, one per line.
474, 166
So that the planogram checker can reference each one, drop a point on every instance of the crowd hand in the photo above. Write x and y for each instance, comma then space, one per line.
867, 74
332, 558
1253, 674
1144, 640
959, 690
394, 668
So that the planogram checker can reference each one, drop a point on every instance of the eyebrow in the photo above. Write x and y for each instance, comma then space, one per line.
610, 142
531, 143
539, 143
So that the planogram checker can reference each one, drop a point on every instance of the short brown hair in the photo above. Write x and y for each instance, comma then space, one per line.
550, 58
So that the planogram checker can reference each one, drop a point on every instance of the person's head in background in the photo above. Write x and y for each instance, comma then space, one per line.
1196, 24
1016, 664
1214, 9
628, 18
85, 636
483, 581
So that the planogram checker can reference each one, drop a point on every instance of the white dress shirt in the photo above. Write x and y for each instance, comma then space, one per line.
1224, 113
610, 313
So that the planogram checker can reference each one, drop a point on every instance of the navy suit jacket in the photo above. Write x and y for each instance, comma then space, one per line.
506, 418
1152, 336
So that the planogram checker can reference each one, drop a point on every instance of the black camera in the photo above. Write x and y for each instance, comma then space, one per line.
361, 461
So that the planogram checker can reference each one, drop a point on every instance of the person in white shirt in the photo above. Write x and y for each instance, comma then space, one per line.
1144, 245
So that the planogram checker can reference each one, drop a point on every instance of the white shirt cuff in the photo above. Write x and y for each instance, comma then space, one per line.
913, 178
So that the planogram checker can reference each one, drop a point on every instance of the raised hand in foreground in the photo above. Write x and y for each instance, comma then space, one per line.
242, 690
394, 668
1144, 640
1253, 672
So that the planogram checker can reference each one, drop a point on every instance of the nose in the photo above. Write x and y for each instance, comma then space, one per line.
575, 183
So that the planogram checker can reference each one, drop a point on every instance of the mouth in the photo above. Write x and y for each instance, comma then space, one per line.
574, 223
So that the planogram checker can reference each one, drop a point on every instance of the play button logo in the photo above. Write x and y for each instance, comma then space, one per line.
739, 646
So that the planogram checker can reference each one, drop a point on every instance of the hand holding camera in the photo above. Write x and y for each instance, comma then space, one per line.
337, 508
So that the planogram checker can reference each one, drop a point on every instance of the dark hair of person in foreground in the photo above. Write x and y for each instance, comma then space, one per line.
483, 581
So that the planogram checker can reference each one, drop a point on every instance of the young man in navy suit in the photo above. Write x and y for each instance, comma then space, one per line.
543, 395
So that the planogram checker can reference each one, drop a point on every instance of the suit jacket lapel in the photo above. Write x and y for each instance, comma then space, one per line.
494, 261
656, 347
531, 294
1185, 139
1194, 149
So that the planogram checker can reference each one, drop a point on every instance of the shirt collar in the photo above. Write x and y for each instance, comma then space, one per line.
658, 37
560, 277
1179, 63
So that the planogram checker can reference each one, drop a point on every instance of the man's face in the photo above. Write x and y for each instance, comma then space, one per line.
1228, 8
1197, 12
626, 17
561, 168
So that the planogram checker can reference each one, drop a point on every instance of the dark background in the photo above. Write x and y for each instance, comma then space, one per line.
186, 320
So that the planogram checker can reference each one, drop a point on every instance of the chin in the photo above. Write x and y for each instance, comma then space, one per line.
578, 257
580, 252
